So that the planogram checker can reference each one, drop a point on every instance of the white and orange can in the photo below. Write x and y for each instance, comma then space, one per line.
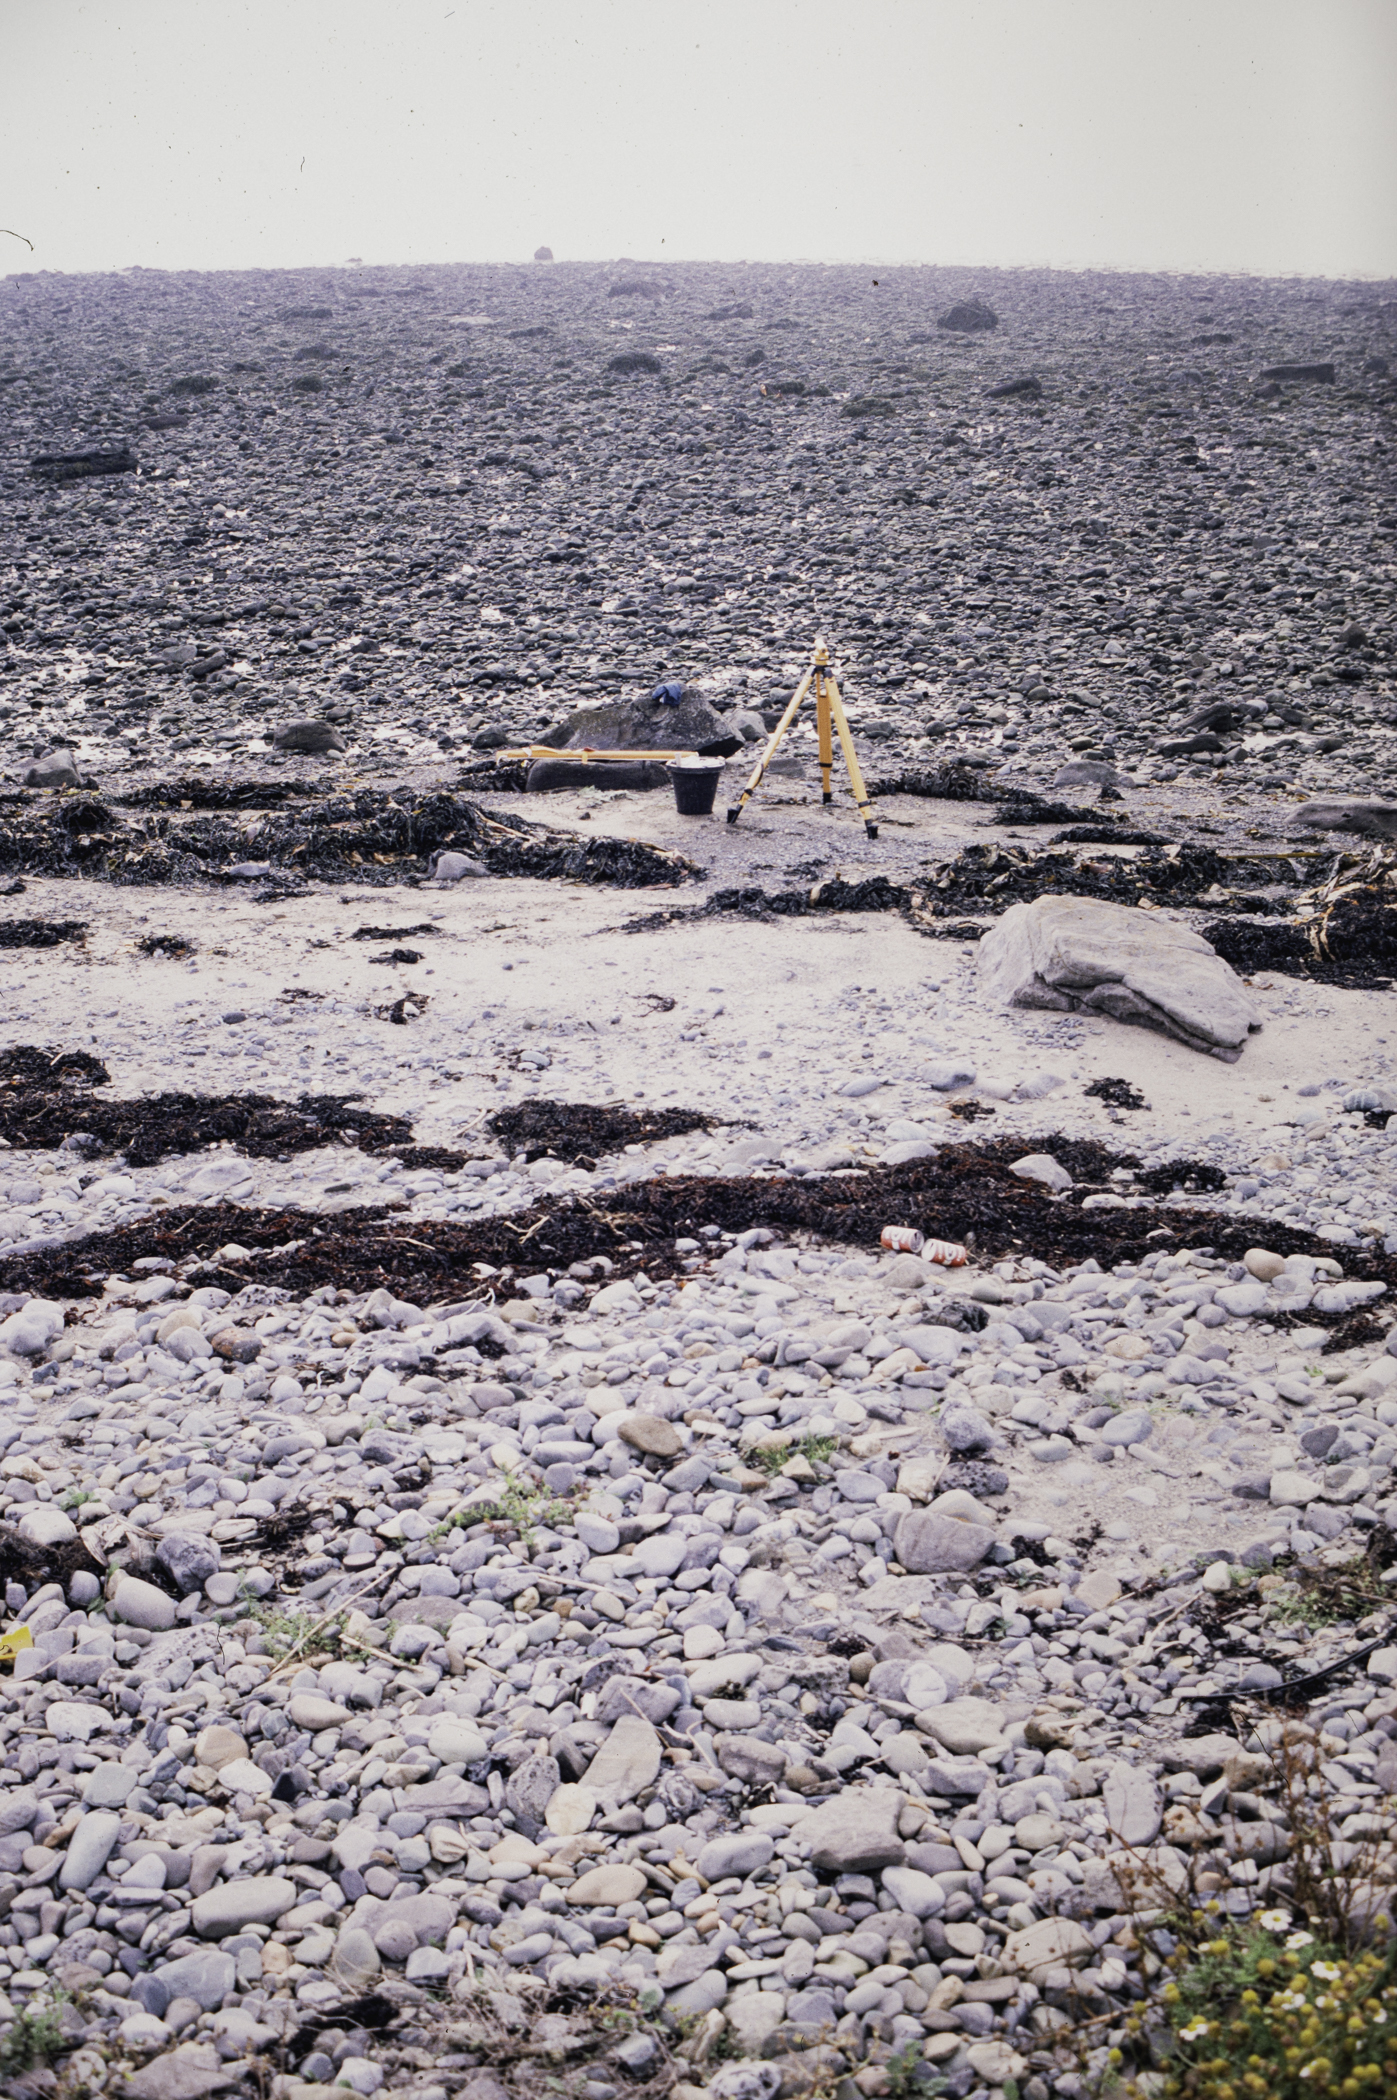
948, 1253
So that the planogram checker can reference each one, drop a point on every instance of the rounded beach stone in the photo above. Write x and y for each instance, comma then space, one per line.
142, 1604
232, 1905
602, 1888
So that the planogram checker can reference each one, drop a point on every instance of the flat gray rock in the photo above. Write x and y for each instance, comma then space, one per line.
676, 1966
89, 1848
929, 1544
627, 1762
1070, 953
58, 769
187, 2073
44, 1526
142, 1604
355, 1962
1042, 1168
415, 1921
1131, 1800
853, 1833
741, 1852
206, 1977
308, 735
964, 1726
230, 1906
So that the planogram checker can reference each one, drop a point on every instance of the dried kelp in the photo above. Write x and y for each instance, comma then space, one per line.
370, 835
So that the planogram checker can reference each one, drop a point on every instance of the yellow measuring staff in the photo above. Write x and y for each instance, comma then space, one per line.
830, 721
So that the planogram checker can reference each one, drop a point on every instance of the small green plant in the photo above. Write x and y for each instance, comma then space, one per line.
727, 2049
35, 2038
1300, 1608
816, 1450
1318, 1596
1267, 2013
288, 1633
819, 1450
908, 2075
521, 1505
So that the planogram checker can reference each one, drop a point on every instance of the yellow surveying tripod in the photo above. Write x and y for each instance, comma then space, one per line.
830, 719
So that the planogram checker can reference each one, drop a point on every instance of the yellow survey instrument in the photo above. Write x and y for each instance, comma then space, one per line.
830, 721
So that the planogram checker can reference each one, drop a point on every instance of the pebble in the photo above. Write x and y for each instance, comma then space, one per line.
259, 1900
142, 1604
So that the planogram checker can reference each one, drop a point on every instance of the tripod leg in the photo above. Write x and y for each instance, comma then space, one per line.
822, 724
772, 745
846, 745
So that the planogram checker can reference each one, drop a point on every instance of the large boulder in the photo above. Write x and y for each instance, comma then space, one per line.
648, 725
1085, 773
969, 317
309, 736
1222, 717
56, 769
1069, 953
1372, 820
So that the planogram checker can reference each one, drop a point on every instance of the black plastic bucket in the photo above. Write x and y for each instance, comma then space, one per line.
696, 787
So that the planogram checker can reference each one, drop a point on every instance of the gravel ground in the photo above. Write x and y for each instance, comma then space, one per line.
423, 499
716, 1667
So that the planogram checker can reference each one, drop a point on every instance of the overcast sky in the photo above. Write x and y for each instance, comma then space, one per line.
1256, 135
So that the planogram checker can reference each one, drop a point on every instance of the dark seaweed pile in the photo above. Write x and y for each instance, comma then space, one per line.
38, 1111
875, 893
41, 933
574, 1131
948, 783
25, 1066
1103, 835
174, 945
1355, 944
990, 878
964, 1192
1116, 1093
369, 835
392, 933
1023, 807
1359, 946
210, 791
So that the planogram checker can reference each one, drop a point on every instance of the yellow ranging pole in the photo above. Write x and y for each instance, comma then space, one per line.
830, 721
